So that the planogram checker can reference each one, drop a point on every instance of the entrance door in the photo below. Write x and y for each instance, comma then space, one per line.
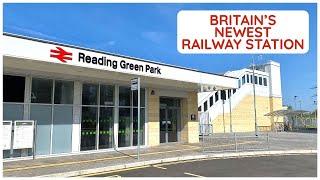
172, 118
163, 125
169, 118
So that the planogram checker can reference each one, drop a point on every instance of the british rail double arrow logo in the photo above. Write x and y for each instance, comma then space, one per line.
61, 54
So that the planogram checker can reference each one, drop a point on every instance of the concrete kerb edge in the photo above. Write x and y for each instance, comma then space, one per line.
182, 158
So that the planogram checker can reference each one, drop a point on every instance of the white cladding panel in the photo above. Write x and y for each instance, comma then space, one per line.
275, 78
34, 50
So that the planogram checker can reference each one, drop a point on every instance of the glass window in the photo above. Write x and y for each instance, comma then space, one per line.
223, 94
41, 91
13, 88
199, 108
243, 79
12, 111
251, 78
260, 80
205, 106
106, 127
265, 81
124, 133
229, 93
234, 91
135, 126
62, 129
255, 80
63, 92
42, 114
216, 95
247, 78
89, 94
124, 96
106, 95
211, 100
239, 83
142, 98
88, 128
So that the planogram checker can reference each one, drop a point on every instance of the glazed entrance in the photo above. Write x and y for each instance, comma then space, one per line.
170, 115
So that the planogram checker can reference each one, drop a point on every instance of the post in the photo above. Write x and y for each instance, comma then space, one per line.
295, 108
230, 111
12, 136
202, 145
34, 139
254, 98
224, 124
135, 86
138, 118
295, 103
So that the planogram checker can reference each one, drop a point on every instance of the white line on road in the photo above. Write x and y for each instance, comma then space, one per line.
114, 176
159, 167
190, 174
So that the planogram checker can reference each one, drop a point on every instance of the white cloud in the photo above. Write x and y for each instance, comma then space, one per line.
154, 36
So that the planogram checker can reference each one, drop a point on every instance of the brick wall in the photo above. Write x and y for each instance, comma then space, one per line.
153, 117
243, 115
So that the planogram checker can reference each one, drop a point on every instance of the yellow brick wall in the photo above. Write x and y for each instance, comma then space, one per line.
276, 104
243, 115
189, 128
153, 119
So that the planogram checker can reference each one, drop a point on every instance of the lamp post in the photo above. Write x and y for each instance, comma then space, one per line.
295, 108
254, 98
315, 111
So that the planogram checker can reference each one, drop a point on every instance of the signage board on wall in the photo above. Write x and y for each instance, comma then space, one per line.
23, 134
6, 138
79, 57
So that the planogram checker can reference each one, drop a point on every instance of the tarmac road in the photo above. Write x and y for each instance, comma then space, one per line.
263, 166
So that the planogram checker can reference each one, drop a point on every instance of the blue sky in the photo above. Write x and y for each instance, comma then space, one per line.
148, 31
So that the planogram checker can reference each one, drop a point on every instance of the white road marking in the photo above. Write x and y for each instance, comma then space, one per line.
190, 174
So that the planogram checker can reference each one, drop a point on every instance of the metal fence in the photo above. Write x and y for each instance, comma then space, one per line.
233, 142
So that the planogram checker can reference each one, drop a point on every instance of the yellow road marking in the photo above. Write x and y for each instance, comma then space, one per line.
190, 174
108, 158
113, 171
87, 161
178, 162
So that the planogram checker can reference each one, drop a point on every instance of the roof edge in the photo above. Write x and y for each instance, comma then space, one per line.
106, 53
